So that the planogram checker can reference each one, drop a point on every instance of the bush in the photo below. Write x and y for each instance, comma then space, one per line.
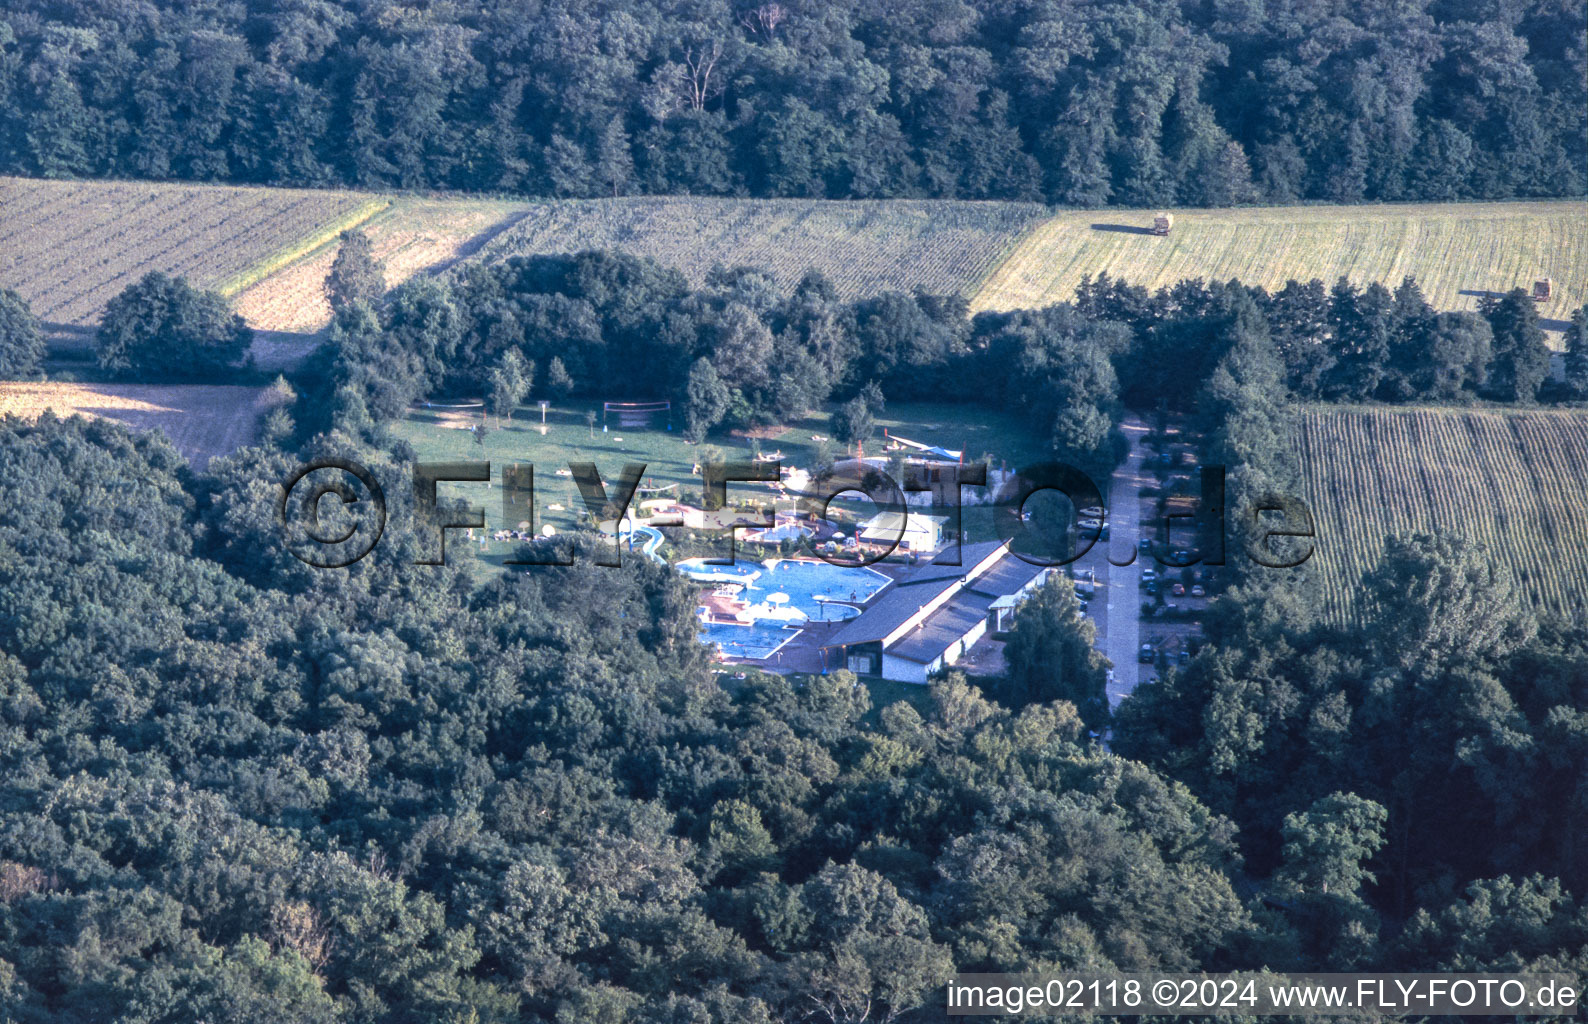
163, 328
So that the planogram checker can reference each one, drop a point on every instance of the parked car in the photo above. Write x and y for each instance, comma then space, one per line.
1148, 576
1145, 657
1179, 590
1090, 524
1152, 587
1197, 591
1183, 657
1094, 511
1146, 545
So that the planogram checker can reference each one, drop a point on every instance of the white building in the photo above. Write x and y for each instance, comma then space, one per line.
927, 620
916, 532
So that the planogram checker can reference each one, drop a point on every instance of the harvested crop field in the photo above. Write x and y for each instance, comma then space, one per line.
69, 247
1513, 480
201, 421
409, 237
864, 247
1457, 251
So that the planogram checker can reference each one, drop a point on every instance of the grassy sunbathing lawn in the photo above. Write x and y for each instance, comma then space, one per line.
445, 435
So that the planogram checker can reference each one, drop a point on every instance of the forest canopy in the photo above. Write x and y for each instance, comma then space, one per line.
239, 788
1078, 102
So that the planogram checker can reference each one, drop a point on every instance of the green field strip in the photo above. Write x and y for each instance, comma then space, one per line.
307, 246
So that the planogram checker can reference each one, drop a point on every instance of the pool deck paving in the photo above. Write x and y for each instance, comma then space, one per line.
801, 654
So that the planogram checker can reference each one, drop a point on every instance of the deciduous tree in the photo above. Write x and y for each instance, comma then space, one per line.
162, 328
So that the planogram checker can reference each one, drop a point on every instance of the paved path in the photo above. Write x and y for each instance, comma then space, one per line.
1121, 625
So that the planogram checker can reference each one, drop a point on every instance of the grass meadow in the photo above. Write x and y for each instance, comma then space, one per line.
201, 421
443, 435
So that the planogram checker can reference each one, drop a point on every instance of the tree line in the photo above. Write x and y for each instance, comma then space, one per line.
739, 352
1067, 101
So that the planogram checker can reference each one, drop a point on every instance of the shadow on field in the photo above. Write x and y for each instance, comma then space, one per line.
1126, 229
479, 242
283, 351
1544, 322
69, 340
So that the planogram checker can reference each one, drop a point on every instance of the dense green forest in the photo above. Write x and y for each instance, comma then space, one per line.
1079, 102
738, 352
241, 789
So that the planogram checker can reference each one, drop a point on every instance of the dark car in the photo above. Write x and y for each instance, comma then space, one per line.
1146, 654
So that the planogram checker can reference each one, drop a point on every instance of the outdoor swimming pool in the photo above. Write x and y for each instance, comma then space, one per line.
780, 595
756, 642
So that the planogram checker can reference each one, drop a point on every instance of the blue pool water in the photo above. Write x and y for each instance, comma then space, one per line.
810, 585
811, 589
757, 642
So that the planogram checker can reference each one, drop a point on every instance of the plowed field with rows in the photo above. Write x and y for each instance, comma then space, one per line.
864, 247
69, 247
1513, 480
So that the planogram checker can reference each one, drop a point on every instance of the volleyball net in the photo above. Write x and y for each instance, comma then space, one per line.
637, 415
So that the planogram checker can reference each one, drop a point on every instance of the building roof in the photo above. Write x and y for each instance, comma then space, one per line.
889, 518
972, 556
889, 611
900, 523
912, 592
1006, 576
957, 616
942, 629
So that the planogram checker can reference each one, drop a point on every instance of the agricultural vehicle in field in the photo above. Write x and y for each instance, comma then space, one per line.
1542, 289
1162, 223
